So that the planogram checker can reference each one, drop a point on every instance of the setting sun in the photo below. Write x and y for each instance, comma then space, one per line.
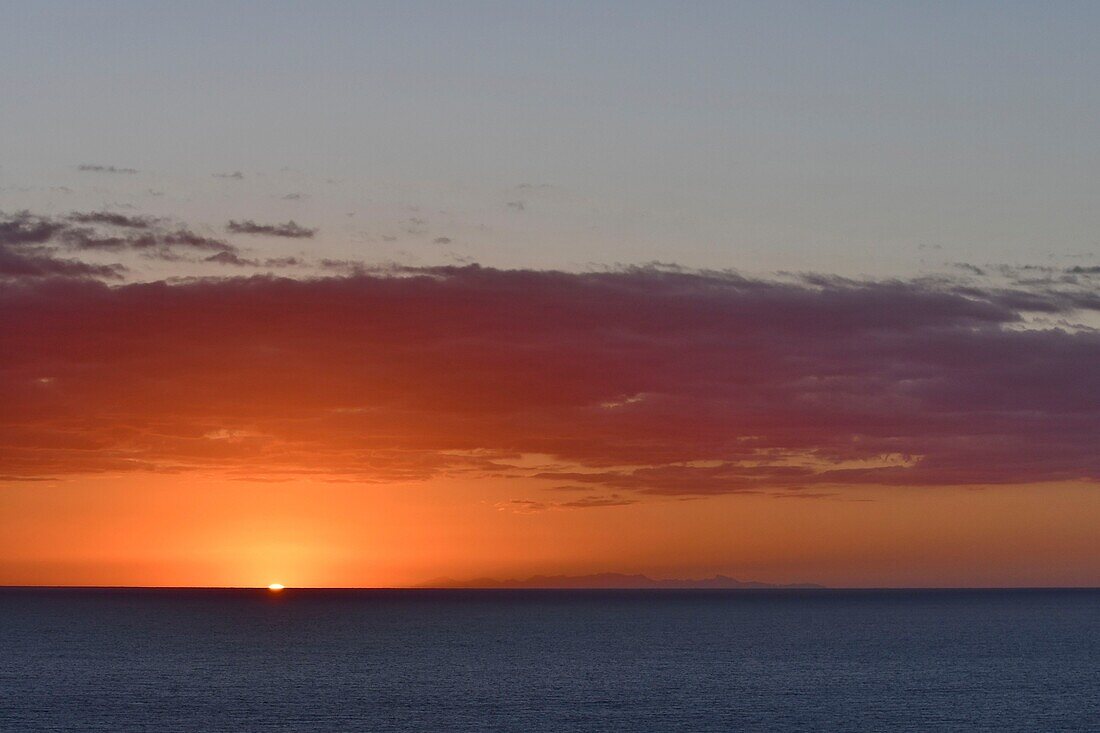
276, 587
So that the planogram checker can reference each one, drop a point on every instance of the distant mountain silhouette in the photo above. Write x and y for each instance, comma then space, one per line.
608, 580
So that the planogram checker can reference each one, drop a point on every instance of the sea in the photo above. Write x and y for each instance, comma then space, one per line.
210, 661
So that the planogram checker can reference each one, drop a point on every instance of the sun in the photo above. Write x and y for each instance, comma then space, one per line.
275, 587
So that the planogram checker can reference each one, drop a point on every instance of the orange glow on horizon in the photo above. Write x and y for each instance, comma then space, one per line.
381, 430
163, 530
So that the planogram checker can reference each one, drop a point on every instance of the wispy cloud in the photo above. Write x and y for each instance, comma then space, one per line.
31, 243
89, 168
233, 259
532, 506
290, 229
111, 218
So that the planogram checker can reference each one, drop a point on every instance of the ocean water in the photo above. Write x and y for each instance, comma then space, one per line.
205, 661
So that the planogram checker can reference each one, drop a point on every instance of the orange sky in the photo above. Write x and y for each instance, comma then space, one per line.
392, 427
202, 530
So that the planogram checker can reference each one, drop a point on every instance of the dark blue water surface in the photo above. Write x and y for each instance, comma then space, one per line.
213, 660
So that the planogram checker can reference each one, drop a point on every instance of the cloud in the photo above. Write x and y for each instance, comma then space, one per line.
105, 169
589, 502
969, 268
24, 252
290, 229
187, 238
235, 175
31, 243
24, 228
284, 262
521, 506
110, 218
530, 506
233, 259
34, 265
160, 244
642, 381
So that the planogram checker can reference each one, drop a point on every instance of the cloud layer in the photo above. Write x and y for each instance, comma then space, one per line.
643, 381
30, 245
36, 246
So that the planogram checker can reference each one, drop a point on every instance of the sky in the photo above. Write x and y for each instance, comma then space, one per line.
340, 294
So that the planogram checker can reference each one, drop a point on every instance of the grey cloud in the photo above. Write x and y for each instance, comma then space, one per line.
105, 169
30, 243
231, 258
18, 265
110, 218
284, 262
234, 260
290, 229
24, 228
967, 267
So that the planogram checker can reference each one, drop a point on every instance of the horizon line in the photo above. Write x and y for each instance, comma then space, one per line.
554, 588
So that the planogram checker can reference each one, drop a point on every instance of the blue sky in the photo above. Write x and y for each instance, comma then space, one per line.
859, 138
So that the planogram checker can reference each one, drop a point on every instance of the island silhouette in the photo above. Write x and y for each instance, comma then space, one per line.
612, 580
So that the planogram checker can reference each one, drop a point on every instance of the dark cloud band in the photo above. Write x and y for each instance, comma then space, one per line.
635, 382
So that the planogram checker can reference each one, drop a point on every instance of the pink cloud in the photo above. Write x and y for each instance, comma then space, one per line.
639, 381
